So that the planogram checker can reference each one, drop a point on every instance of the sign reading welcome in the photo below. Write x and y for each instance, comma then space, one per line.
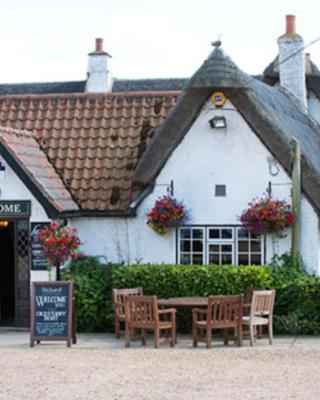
15, 208
51, 311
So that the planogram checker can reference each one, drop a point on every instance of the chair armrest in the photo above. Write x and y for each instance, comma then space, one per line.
119, 309
199, 311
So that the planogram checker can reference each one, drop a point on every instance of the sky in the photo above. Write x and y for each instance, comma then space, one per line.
43, 40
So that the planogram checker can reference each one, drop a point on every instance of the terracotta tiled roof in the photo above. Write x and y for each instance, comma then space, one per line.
22, 150
94, 141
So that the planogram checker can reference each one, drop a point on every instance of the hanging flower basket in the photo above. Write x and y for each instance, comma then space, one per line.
167, 213
59, 244
267, 216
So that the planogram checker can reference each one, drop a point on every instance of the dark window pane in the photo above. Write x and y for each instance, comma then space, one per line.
185, 233
256, 259
214, 248
214, 259
226, 259
243, 246
197, 233
255, 246
185, 259
243, 259
226, 233
214, 233
185, 245
197, 259
226, 248
197, 245
243, 234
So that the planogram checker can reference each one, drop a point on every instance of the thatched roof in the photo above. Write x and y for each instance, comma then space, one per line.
274, 116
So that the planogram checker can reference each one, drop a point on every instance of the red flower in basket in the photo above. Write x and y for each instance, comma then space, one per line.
59, 244
267, 216
166, 213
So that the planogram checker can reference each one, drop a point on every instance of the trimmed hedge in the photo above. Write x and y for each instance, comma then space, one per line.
93, 288
297, 308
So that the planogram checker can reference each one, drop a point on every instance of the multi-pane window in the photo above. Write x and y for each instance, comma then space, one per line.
191, 246
218, 245
249, 249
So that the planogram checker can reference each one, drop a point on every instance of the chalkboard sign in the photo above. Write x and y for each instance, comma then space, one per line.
38, 260
52, 312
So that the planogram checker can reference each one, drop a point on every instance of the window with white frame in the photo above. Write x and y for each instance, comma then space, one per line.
218, 245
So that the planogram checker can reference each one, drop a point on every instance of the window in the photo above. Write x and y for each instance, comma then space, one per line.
191, 245
218, 245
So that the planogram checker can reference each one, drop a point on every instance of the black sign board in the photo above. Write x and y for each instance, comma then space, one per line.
15, 208
52, 312
38, 260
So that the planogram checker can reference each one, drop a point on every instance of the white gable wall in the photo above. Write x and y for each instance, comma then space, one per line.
234, 157
12, 188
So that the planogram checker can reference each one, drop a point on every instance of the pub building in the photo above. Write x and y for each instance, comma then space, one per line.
96, 155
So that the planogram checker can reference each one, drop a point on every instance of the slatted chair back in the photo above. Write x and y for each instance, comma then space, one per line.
262, 303
142, 311
248, 294
119, 299
224, 311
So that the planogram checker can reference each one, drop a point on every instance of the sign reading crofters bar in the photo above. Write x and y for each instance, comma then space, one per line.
15, 208
51, 312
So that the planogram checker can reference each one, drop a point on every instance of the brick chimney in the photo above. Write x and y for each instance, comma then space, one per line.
292, 62
98, 75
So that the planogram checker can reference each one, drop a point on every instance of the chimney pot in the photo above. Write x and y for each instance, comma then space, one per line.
99, 45
290, 24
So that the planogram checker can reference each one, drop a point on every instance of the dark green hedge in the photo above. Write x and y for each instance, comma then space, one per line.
297, 308
93, 286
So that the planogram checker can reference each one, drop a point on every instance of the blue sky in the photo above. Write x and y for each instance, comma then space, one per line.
49, 41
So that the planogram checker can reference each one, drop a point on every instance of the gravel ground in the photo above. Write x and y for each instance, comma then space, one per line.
99, 367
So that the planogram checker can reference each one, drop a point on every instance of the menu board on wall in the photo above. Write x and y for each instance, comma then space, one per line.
38, 260
51, 311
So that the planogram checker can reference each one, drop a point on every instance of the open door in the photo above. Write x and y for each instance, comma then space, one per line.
7, 273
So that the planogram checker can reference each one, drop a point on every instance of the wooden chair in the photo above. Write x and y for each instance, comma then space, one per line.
223, 312
142, 313
261, 313
118, 296
246, 310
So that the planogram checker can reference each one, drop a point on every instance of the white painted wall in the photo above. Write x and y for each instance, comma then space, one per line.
12, 188
233, 156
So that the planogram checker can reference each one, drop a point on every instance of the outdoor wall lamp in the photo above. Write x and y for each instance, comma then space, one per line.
218, 122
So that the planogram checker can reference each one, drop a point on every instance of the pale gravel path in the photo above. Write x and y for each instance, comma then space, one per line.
99, 367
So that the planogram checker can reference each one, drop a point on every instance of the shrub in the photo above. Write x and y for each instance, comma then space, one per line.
297, 308
93, 287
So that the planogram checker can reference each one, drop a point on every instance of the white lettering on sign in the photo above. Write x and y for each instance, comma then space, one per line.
10, 208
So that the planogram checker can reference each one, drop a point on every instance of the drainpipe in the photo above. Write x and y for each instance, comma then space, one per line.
296, 201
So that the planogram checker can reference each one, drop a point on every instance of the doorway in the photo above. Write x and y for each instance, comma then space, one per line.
7, 273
